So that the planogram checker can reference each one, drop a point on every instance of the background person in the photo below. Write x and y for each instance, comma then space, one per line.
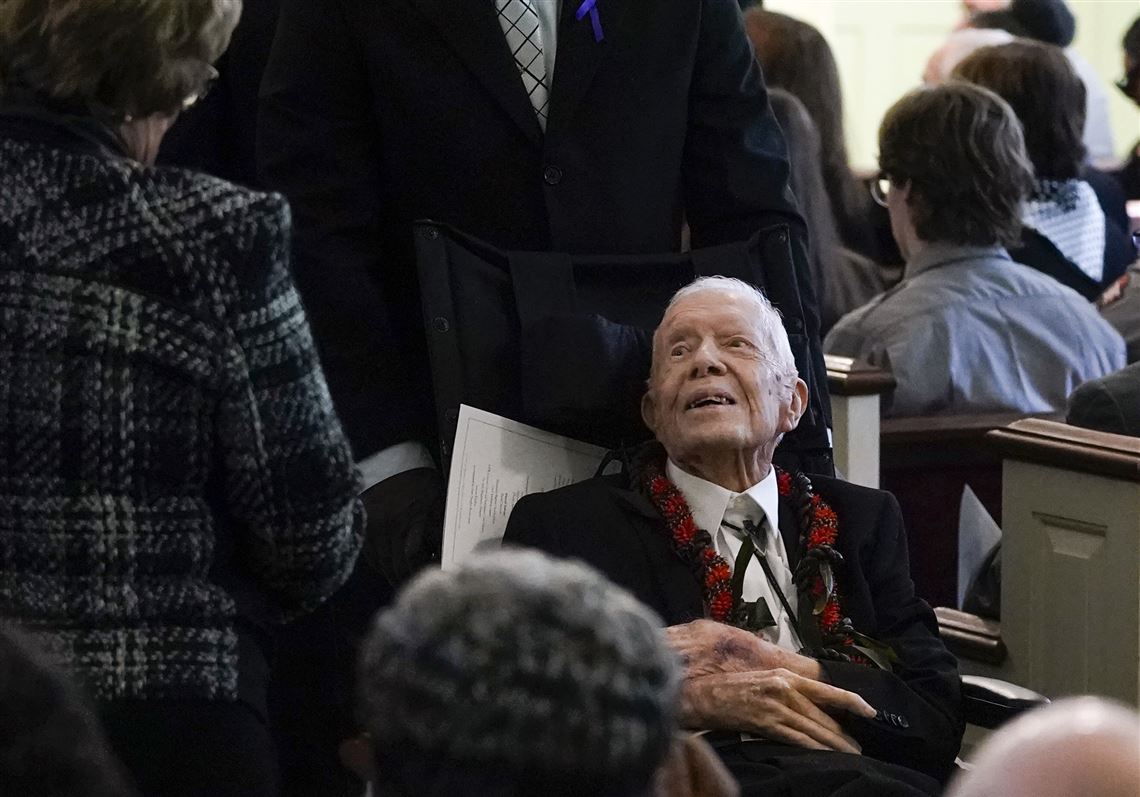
795, 57
1129, 174
1063, 207
1051, 22
174, 479
968, 329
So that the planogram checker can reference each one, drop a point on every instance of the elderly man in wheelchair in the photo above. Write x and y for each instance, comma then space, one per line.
810, 662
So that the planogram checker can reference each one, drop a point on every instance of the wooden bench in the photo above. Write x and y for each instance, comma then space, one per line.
1071, 559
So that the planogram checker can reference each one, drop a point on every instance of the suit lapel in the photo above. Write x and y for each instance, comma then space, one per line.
790, 532
472, 30
679, 589
579, 55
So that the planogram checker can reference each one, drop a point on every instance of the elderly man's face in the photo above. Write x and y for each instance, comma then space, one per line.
714, 387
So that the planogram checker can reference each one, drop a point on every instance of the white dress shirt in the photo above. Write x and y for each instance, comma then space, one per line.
709, 504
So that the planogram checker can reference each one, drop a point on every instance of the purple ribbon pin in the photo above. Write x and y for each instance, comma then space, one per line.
591, 7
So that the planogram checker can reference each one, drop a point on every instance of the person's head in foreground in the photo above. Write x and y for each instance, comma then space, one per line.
50, 741
131, 65
1081, 746
517, 674
953, 168
1047, 95
723, 387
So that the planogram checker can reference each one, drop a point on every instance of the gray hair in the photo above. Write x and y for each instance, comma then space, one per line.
115, 58
524, 664
778, 351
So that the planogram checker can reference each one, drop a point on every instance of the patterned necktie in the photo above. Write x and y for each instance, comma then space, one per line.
738, 521
524, 36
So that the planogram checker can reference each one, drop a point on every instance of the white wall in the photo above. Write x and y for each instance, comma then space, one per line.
882, 47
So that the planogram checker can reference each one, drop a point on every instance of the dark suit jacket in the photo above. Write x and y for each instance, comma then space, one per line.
620, 532
1109, 404
217, 135
375, 113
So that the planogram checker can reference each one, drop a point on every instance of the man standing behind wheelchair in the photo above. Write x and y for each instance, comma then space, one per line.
579, 127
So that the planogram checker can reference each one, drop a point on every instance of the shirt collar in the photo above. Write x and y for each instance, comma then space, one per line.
935, 255
708, 501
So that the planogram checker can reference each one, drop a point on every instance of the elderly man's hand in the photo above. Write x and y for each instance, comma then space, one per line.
776, 704
707, 647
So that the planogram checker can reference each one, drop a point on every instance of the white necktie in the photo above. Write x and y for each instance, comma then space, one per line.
524, 36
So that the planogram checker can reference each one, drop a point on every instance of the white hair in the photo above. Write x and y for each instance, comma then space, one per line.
778, 352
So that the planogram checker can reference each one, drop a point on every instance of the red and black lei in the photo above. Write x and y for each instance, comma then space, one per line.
816, 576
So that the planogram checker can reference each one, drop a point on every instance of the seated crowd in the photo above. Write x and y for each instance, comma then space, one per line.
212, 515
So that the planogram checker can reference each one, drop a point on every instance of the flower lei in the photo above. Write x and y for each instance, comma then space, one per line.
815, 576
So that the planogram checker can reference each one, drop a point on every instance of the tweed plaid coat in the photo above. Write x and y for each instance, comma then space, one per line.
171, 468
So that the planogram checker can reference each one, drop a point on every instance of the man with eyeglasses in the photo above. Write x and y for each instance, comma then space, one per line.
968, 329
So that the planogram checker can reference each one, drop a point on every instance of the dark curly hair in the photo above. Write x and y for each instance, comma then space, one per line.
960, 148
1047, 95
114, 58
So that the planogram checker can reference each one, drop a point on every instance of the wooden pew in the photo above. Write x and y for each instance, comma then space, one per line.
1071, 559
926, 462
855, 388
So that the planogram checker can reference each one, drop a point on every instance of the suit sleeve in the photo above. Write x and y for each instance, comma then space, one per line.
318, 144
289, 477
526, 527
923, 693
735, 173
1093, 407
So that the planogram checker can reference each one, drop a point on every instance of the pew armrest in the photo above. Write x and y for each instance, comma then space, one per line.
855, 388
849, 377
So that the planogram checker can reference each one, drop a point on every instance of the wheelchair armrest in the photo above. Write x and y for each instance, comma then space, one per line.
990, 702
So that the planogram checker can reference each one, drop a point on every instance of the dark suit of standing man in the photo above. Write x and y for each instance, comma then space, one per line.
217, 135
375, 113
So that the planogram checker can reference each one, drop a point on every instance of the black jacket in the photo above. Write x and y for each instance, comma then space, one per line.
375, 113
619, 532
217, 135
1109, 404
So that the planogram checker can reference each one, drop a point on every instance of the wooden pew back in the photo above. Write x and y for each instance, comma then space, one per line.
1071, 559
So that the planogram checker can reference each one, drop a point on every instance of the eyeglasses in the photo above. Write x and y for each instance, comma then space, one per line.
880, 185
200, 94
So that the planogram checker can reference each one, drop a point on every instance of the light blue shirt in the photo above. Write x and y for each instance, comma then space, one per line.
969, 330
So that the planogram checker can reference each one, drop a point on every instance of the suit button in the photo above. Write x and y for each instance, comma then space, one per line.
903, 723
552, 175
